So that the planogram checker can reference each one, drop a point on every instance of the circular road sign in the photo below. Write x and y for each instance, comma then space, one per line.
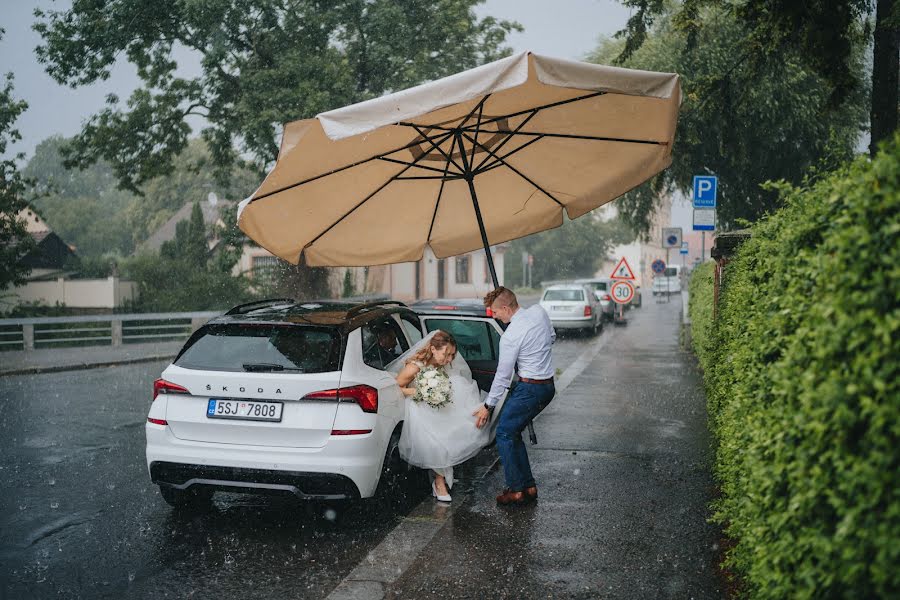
622, 292
658, 266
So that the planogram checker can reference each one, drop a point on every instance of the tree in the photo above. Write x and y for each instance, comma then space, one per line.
15, 242
824, 35
573, 250
264, 62
747, 123
87, 210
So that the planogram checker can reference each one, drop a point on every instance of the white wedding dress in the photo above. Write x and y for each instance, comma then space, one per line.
440, 438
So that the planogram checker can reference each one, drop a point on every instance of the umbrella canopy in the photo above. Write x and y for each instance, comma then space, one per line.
475, 159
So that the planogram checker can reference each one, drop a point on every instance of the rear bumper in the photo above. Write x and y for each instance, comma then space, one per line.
306, 472
580, 323
310, 486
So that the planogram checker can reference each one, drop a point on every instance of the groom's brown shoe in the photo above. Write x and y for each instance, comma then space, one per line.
509, 497
531, 494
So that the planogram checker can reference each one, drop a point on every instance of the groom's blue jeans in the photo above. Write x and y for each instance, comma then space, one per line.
523, 404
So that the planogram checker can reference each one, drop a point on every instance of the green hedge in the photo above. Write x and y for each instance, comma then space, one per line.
700, 309
801, 369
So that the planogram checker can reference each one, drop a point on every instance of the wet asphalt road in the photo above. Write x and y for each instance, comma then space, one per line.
79, 517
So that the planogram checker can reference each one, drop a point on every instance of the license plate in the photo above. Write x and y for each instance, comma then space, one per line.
561, 308
246, 410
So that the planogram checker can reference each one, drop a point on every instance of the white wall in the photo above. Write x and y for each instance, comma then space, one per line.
78, 293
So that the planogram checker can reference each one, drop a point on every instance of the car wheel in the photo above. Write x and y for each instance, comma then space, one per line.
190, 498
395, 476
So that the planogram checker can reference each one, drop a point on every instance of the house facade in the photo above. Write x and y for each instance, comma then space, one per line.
50, 281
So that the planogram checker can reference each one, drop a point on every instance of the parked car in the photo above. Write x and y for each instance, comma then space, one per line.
573, 306
281, 396
668, 282
636, 300
602, 287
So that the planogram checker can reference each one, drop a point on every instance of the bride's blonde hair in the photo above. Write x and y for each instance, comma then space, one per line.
439, 340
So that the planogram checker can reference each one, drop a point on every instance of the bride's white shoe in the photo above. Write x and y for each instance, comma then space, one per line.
440, 498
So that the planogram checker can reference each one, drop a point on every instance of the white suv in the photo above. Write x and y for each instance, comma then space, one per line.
294, 397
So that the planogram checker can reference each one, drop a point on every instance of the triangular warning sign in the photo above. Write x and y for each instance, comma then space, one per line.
623, 271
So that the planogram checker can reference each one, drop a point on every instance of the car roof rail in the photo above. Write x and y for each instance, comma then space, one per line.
247, 307
367, 305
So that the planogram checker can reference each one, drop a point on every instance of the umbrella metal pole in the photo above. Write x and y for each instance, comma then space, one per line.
470, 179
484, 240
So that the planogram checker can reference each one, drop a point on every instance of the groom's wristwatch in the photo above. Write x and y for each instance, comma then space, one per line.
489, 408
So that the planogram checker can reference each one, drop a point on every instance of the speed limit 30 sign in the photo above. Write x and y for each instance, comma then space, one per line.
622, 292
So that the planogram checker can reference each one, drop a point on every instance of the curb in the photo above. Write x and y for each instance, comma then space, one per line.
84, 366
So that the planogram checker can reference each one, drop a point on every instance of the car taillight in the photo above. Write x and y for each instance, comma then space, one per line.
488, 312
607, 297
161, 386
157, 421
587, 311
365, 396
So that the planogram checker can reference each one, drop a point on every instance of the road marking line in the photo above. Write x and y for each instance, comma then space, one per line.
400, 548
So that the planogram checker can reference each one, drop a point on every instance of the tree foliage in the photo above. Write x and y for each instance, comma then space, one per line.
747, 123
823, 36
263, 62
87, 210
574, 250
15, 242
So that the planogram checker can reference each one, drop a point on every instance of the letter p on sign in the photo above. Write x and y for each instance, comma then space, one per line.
705, 191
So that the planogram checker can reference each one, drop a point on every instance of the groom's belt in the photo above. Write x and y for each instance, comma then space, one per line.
538, 381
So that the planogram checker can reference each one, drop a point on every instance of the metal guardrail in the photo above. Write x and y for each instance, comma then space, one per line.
99, 330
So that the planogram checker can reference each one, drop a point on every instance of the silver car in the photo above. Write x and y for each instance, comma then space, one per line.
573, 306
601, 287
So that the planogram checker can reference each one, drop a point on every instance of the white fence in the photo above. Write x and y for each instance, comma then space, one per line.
99, 330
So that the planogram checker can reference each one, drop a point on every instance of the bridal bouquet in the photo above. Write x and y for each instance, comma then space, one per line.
433, 388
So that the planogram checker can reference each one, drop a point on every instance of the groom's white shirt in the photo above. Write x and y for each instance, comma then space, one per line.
527, 340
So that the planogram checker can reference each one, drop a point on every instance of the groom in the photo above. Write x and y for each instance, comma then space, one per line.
526, 342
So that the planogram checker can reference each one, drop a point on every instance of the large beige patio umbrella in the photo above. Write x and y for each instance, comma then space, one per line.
465, 162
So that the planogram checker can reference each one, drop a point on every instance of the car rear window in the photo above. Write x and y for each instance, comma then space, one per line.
564, 295
671, 272
229, 346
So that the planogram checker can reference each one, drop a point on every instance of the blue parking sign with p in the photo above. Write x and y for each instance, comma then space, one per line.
705, 188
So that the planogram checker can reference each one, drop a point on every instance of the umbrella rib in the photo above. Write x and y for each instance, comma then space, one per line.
344, 168
449, 157
364, 200
477, 128
519, 173
437, 202
545, 106
497, 163
408, 163
508, 137
510, 115
588, 137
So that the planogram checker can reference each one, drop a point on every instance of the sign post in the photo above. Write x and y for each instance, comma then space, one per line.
622, 293
622, 276
706, 189
671, 239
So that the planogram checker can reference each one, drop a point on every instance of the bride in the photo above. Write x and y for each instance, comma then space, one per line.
439, 428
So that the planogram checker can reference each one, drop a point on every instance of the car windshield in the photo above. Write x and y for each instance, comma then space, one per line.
671, 272
251, 346
564, 295
599, 286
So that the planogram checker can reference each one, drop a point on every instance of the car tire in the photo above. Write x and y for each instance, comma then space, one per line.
395, 476
189, 498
